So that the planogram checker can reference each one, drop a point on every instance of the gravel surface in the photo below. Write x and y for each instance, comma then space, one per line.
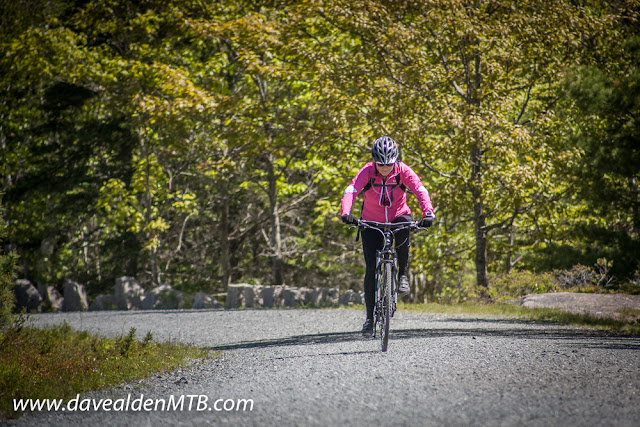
311, 367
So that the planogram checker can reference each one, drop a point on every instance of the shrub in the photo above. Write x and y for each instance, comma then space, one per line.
59, 363
450, 295
7, 276
517, 284
632, 286
7, 299
587, 279
579, 276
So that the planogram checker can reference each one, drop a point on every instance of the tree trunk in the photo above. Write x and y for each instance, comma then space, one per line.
144, 151
130, 248
479, 219
635, 191
274, 215
225, 251
479, 214
508, 263
482, 277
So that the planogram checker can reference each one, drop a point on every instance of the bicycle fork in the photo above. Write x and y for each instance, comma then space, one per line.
380, 260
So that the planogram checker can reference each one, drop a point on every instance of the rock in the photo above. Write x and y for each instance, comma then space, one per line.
234, 294
296, 297
351, 297
27, 296
103, 302
244, 295
272, 296
202, 300
332, 295
164, 297
75, 297
128, 293
324, 297
599, 305
52, 299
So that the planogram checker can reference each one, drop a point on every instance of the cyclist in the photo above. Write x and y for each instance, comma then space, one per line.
384, 183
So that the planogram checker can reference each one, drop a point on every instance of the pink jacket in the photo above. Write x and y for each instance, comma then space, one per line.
385, 200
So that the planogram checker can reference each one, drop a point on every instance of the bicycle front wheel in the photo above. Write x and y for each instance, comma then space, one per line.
387, 301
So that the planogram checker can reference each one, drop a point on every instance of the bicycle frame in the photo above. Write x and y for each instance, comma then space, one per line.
386, 275
387, 255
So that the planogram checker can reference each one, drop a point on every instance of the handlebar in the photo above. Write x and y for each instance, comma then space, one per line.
389, 226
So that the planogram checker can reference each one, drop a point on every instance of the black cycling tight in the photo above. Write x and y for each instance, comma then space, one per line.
373, 241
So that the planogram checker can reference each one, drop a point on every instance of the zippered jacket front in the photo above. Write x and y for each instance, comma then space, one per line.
385, 199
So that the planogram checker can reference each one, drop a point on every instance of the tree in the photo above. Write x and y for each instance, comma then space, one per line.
198, 143
271, 124
52, 166
606, 96
468, 87
110, 121
189, 130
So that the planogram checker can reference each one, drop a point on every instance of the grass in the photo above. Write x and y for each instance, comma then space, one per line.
628, 321
59, 363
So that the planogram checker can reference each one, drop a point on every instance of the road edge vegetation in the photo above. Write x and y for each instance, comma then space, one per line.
59, 363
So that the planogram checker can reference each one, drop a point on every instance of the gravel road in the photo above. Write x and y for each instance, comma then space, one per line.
311, 367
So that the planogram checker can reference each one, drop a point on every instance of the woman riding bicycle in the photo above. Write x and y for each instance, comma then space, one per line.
384, 183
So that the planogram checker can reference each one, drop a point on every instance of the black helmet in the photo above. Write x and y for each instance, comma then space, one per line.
385, 150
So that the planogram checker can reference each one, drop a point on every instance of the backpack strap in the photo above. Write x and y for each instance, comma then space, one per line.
368, 186
364, 190
400, 184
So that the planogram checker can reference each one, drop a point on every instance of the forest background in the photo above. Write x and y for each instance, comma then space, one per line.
200, 143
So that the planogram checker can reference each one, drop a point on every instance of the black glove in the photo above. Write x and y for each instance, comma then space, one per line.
349, 219
427, 220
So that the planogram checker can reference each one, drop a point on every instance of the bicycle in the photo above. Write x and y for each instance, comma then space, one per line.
386, 275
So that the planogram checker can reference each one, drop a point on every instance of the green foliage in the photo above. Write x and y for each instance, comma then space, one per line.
124, 344
7, 280
450, 295
605, 123
598, 278
7, 299
632, 286
467, 88
193, 143
59, 363
517, 284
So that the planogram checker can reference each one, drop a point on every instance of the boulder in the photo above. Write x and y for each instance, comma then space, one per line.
324, 297
27, 296
52, 299
272, 296
202, 300
128, 293
296, 297
103, 302
351, 297
244, 295
75, 297
164, 297
597, 305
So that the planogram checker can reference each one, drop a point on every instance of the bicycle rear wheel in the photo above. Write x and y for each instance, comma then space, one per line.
386, 305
